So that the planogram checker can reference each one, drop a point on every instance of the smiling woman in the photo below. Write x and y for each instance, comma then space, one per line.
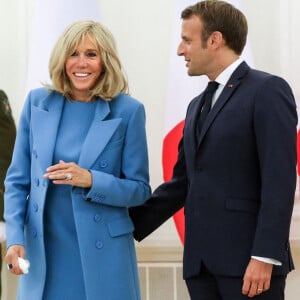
85, 57
73, 175
83, 68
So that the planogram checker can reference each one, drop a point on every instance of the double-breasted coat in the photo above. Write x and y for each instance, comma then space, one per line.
115, 151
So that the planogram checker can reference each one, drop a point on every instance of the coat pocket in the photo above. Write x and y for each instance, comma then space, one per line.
242, 204
120, 227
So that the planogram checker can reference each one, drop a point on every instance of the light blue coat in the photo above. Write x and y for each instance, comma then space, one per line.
115, 150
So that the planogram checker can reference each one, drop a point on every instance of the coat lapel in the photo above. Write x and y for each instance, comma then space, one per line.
45, 121
98, 136
228, 90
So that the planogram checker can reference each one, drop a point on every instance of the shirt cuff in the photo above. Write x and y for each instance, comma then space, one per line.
268, 260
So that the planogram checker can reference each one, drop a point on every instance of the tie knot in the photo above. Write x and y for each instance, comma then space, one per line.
212, 87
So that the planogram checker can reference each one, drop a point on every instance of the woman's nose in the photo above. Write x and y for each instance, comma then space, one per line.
82, 59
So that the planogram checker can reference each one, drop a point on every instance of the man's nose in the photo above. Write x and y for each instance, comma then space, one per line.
180, 49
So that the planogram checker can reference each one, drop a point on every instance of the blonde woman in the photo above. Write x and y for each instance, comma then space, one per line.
79, 162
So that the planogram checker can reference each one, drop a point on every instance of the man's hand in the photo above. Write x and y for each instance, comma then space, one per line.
257, 278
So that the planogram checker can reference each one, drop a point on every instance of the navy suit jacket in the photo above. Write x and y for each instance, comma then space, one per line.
237, 182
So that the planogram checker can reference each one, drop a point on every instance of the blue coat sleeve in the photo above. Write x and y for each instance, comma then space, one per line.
131, 188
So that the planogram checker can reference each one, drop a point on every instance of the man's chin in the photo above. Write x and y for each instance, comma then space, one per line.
193, 73
190, 73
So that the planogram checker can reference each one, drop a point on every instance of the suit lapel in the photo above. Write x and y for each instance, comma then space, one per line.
192, 119
227, 92
98, 136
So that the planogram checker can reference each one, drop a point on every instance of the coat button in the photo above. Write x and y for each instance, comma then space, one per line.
35, 207
103, 164
97, 218
36, 181
100, 197
34, 153
99, 244
34, 233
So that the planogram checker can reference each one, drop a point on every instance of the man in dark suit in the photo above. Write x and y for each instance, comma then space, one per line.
236, 171
7, 140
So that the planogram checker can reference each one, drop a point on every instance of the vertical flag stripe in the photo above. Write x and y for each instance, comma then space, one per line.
169, 159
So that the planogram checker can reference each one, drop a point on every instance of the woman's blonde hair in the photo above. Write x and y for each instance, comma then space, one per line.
112, 80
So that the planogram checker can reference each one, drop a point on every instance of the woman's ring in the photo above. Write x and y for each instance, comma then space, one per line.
68, 176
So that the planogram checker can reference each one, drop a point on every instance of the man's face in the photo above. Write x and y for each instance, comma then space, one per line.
195, 52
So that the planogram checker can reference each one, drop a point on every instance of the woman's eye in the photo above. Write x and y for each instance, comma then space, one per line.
91, 54
74, 53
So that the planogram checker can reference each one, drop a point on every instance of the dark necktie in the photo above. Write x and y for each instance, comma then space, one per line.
208, 94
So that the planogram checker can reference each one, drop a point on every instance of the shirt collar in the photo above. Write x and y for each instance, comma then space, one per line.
223, 77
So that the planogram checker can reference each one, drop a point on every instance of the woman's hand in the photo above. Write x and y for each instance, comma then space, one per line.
69, 173
11, 258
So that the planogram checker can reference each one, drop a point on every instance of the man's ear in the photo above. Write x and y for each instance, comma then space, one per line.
216, 40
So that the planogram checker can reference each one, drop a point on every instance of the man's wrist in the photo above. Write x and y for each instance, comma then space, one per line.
268, 260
